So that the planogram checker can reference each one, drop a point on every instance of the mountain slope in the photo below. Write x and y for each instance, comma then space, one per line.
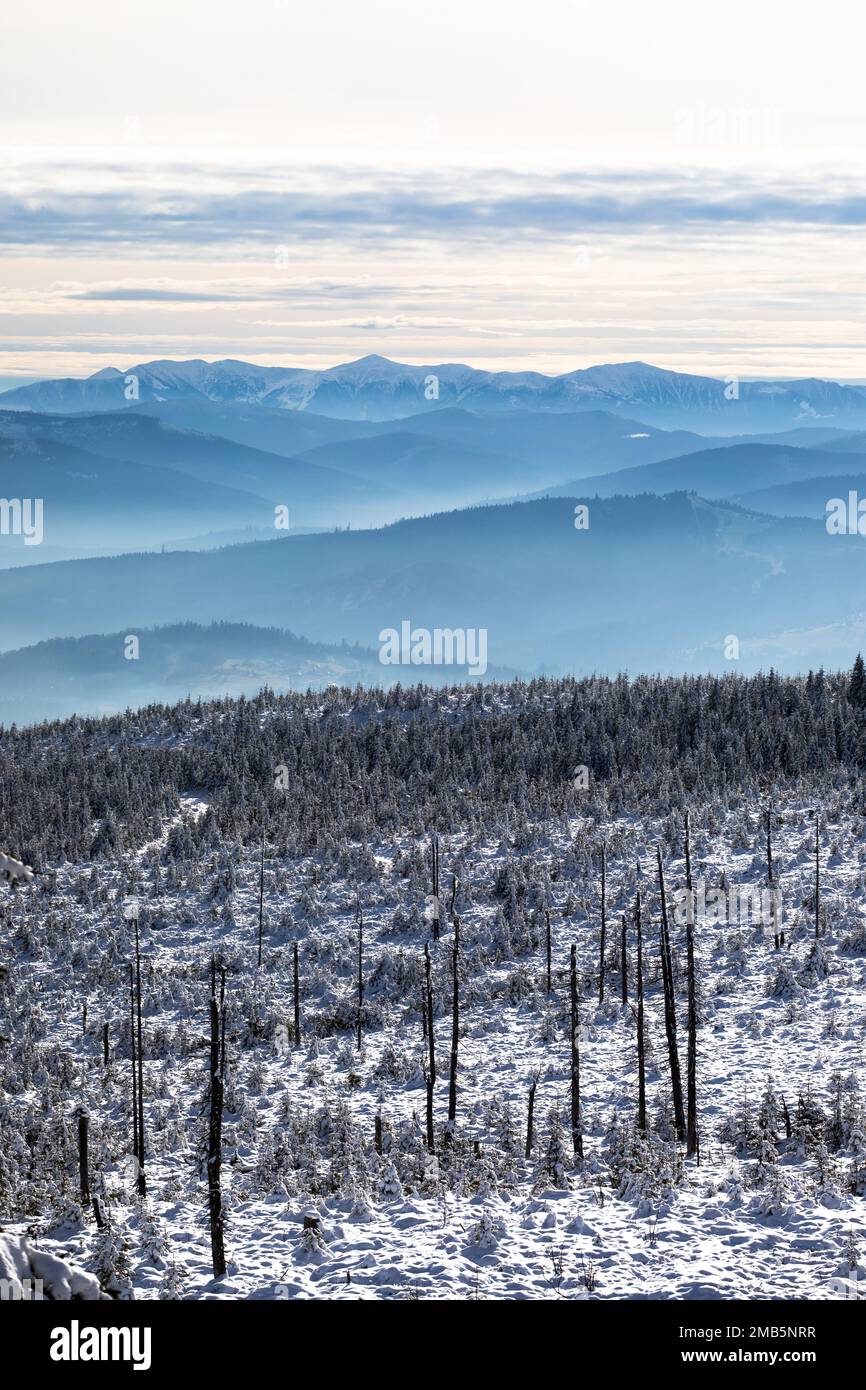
89, 500
730, 471
425, 472
555, 443
809, 497
849, 444
313, 494
285, 432
569, 443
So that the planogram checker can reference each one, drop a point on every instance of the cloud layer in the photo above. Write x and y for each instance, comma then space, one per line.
723, 270
108, 206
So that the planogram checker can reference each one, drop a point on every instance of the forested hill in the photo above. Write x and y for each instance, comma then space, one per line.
350, 765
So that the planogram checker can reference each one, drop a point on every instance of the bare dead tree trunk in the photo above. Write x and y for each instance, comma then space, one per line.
455, 1020
817, 874
261, 901
296, 979
623, 961
84, 1019
434, 855
603, 929
142, 1182
576, 1132
547, 943
134, 1066
641, 1054
105, 1044
530, 1115
214, 1155
692, 1052
431, 1064
670, 1010
768, 817
83, 1162
360, 920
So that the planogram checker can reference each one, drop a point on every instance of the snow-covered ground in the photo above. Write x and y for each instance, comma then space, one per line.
480, 1220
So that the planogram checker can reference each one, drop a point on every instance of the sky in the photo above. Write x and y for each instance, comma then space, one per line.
518, 186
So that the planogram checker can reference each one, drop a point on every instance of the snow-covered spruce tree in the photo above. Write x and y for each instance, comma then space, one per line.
556, 1157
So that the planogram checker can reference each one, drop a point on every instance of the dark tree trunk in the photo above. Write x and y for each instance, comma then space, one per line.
641, 1055
261, 901
434, 855
134, 1066
768, 817
297, 985
602, 942
576, 1133
547, 944
377, 1140
142, 1182
360, 916
623, 961
83, 1162
105, 1044
530, 1116
691, 1057
787, 1117
817, 875
431, 1064
455, 1026
670, 1010
214, 1154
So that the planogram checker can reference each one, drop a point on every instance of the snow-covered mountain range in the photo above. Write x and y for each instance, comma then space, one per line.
375, 388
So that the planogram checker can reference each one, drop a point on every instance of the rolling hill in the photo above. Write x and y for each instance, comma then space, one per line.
655, 583
91, 674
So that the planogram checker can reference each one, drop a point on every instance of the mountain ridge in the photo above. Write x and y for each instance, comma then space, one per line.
377, 388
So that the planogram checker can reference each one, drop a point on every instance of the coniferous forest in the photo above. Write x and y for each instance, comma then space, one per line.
442, 992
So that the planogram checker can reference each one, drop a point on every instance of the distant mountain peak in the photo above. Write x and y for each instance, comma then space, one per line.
372, 359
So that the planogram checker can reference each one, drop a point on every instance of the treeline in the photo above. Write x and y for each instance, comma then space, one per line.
354, 764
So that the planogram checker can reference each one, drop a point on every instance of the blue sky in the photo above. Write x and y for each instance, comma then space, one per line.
539, 186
